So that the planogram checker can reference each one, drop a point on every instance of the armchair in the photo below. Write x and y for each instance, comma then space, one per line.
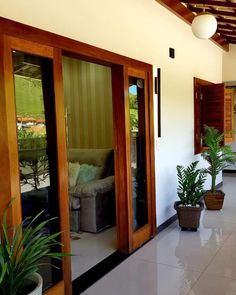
94, 199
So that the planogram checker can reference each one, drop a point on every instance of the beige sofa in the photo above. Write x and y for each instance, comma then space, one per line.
94, 201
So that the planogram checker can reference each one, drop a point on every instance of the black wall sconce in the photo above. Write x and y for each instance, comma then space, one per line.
158, 92
171, 52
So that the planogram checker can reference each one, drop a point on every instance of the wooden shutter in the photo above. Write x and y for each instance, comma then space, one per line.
213, 106
198, 112
229, 114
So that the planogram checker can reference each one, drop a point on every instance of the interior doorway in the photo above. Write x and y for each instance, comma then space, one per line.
90, 149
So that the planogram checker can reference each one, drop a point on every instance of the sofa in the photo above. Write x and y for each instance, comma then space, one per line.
92, 201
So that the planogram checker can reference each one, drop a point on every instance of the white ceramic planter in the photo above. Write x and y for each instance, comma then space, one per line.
39, 281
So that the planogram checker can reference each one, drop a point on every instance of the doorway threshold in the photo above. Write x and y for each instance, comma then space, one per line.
98, 271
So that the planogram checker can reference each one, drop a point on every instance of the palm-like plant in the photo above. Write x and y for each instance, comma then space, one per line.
190, 184
21, 251
217, 155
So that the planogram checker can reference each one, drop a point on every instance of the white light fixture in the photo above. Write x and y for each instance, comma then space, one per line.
204, 25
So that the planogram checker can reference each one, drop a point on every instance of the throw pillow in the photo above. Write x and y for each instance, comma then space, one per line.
86, 173
73, 173
99, 172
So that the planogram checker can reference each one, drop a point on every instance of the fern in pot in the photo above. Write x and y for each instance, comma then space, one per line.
21, 251
219, 157
190, 191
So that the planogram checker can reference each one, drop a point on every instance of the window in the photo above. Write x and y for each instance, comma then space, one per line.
213, 106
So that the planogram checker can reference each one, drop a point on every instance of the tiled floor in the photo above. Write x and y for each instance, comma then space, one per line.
90, 249
179, 263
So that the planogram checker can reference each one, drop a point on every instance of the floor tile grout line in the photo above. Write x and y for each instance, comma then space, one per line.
165, 264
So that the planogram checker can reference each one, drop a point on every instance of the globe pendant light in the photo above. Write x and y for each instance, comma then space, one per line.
204, 25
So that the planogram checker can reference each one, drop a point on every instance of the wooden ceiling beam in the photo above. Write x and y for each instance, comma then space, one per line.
176, 7
187, 15
211, 3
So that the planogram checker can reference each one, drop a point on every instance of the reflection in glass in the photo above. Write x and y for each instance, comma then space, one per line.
36, 144
138, 152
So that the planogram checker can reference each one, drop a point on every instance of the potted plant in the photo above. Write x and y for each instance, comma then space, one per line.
219, 157
190, 191
21, 251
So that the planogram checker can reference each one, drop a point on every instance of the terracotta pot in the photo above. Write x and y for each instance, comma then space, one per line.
214, 201
189, 217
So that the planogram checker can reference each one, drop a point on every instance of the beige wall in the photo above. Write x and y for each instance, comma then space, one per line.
88, 101
229, 64
144, 30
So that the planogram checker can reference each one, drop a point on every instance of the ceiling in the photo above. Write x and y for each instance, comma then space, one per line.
223, 10
26, 65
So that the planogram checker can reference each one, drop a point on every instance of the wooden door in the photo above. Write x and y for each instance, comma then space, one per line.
26, 64
140, 169
229, 114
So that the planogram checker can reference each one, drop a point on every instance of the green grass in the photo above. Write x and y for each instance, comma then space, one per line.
29, 97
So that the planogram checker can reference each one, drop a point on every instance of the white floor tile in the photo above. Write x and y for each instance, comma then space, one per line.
232, 239
90, 249
179, 263
180, 249
224, 264
138, 277
213, 285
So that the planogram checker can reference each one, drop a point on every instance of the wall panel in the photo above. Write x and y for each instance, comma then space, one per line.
88, 99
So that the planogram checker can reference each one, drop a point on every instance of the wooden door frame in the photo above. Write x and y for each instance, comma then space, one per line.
143, 234
119, 65
11, 169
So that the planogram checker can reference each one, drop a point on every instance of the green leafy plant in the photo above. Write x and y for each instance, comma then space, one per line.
218, 156
21, 252
190, 184
133, 112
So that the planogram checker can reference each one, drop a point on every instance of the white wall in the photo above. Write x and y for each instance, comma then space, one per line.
143, 30
229, 64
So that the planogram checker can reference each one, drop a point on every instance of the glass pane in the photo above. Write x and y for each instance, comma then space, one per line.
34, 90
89, 121
138, 152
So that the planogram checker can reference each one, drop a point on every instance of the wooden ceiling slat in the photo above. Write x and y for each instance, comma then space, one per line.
232, 40
211, 3
213, 11
226, 27
227, 33
226, 21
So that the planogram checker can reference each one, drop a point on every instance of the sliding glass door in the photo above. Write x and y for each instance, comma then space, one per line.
139, 157
34, 107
